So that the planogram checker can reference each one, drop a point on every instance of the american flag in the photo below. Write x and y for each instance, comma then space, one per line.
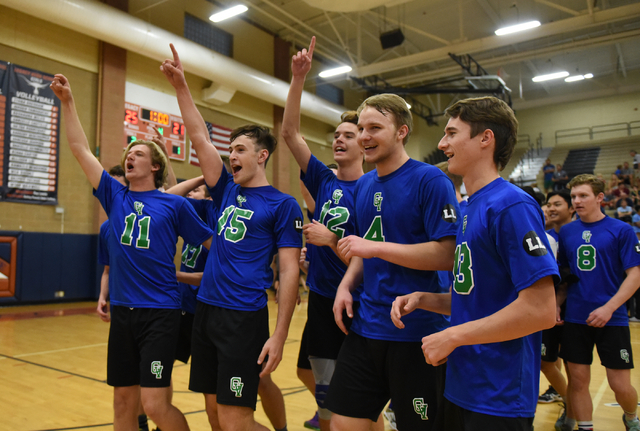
219, 137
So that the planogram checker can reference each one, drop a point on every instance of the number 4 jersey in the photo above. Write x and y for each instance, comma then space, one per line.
143, 232
502, 248
599, 254
252, 223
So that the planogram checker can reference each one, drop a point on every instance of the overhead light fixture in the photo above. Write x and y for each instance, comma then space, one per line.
550, 76
516, 28
578, 77
228, 13
333, 72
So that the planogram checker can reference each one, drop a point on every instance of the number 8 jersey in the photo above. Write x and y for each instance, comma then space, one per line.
598, 254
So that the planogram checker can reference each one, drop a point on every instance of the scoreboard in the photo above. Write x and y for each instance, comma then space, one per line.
139, 122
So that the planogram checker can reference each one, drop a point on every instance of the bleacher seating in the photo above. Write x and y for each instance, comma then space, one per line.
435, 157
581, 161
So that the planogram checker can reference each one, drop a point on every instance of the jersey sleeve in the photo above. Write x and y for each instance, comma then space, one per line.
107, 189
440, 207
190, 227
316, 174
522, 243
217, 191
629, 248
200, 207
103, 244
288, 226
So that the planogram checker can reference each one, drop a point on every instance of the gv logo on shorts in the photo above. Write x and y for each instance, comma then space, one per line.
420, 408
544, 350
156, 368
624, 355
236, 386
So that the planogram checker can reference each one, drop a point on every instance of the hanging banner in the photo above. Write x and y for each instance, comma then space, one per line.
31, 137
4, 88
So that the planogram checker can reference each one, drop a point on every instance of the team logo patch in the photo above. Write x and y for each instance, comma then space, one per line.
377, 201
624, 355
533, 245
637, 248
449, 214
586, 236
337, 195
241, 199
156, 368
297, 223
236, 386
138, 206
420, 407
464, 224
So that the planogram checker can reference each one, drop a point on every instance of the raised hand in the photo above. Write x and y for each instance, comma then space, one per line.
301, 62
61, 88
173, 69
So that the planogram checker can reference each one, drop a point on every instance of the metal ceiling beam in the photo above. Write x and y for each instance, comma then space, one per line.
492, 42
345, 47
623, 69
408, 27
520, 56
557, 6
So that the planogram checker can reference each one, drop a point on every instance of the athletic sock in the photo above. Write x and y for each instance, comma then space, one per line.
585, 425
281, 429
570, 423
630, 416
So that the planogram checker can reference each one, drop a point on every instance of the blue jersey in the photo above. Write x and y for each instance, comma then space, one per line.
143, 232
334, 208
553, 234
598, 254
103, 244
252, 223
502, 248
194, 257
414, 204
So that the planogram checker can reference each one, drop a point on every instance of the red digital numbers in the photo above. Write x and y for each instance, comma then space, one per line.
130, 116
177, 129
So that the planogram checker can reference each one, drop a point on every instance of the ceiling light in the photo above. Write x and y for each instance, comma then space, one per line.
556, 75
334, 72
588, 75
516, 28
574, 78
228, 13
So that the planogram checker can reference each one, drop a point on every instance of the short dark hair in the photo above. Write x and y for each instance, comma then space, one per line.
332, 166
539, 197
261, 136
349, 117
483, 113
564, 194
116, 171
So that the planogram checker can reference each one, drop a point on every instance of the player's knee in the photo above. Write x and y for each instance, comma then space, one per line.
125, 400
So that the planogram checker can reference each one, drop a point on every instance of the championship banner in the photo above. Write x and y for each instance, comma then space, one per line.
4, 87
31, 137
219, 138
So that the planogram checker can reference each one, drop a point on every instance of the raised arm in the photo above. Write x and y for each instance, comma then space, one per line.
159, 140
75, 135
427, 256
210, 161
186, 186
300, 66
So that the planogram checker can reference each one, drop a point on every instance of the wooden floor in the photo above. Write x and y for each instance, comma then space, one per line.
53, 370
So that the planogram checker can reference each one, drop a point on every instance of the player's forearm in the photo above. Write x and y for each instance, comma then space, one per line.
533, 311
435, 302
186, 186
287, 295
104, 283
210, 161
192, 278
171, 176
428, 256
354, 275
291, 124
78, 142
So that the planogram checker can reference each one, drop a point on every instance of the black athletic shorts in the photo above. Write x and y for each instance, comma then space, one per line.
551, 339
303, 356
142, 346
325, 337
370, 372
461, 419
613, 344
225, 348
183, 351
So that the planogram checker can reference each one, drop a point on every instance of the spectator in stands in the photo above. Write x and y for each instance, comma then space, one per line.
624, 211
609, 200
548, 170
618, 171
560, 178
635, 222
636, 159
626, 173
620, 190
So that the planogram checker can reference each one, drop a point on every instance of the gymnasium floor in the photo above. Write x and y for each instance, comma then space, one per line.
53, 370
